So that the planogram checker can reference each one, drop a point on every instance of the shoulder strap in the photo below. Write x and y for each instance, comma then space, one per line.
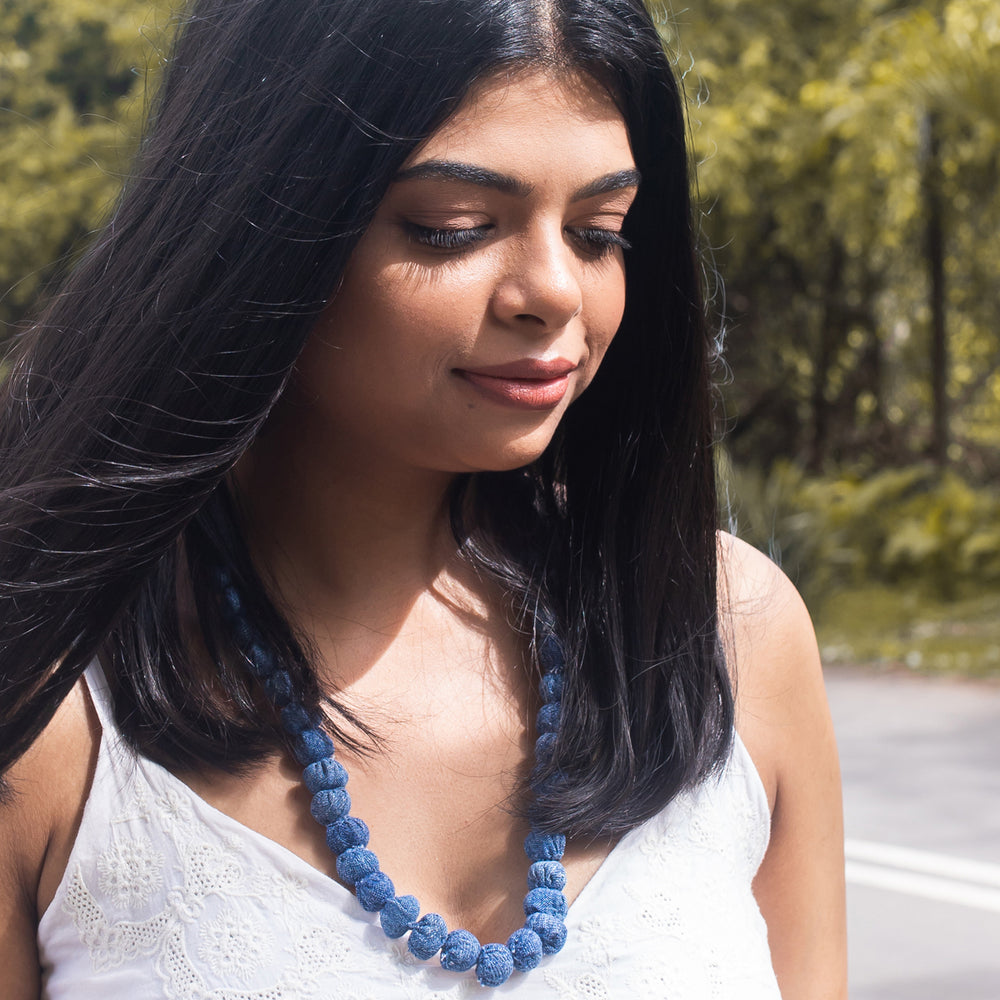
100, 695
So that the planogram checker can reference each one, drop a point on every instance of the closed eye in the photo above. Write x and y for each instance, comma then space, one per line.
447, 238
598, 242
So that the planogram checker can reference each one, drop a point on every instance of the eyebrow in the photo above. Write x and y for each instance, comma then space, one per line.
468, 173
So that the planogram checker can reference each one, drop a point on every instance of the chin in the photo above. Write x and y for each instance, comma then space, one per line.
493, 450
509, 460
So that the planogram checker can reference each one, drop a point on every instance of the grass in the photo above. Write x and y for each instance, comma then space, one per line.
878, 624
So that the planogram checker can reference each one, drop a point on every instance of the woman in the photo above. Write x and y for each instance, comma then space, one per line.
381, 409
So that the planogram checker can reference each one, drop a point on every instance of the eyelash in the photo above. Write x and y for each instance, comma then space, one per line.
595, 241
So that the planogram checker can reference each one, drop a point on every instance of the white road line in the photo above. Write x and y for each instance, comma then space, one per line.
981, 873
923, 873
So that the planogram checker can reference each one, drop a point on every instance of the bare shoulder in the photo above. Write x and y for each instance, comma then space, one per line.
38, 823
774, 661
783, 718
760, 609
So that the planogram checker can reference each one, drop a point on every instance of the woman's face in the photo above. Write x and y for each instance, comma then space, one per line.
479, 303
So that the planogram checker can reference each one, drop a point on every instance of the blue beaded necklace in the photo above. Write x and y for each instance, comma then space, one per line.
544, 930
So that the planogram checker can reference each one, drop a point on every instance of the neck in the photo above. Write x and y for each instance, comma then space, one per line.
342, 531
342, 537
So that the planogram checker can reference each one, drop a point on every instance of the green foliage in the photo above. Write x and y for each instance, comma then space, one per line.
809, 124
809, 120
912, 528
73, 84
879, 623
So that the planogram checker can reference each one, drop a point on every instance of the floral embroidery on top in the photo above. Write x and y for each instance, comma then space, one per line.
130, 872
186, 904
235, 944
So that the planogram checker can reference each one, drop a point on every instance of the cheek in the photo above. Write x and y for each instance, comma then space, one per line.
607, 298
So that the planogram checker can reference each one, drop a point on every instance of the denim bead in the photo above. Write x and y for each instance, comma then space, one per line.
242, 632
551, 687
346, 833
326, 773
494, 966
552, 783
550, 901
231, 597
262, 661
356, 863
295, 718
547, 720
427, 936
547, 875
550, 655
312, 745
374, 891
460, 951
329, 805
398, 915
279, 687
544, 846
551, 930
544, 746
525, 947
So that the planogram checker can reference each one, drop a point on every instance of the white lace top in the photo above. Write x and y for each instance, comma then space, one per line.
166, 897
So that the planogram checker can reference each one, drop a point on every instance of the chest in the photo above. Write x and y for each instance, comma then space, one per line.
166, 891
442, 798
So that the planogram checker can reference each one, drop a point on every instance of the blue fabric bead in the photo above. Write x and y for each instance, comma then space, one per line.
295, 718
230, 597
544, 746
494, 966
547, 875
262, 661
547, 720
550, 901
552, 783
427, 936
460, 951
242, 632
550, 655
355, 864
398, 915
312, 745
551, 687
551, 930
279, 687
346, 833
329, 805
525, 947
326, 773
544, 846
374, 891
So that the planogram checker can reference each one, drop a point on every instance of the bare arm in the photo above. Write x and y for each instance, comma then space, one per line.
37, 829
19, 854
783, 718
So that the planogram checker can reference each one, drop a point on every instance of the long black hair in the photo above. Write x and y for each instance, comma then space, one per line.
277, 131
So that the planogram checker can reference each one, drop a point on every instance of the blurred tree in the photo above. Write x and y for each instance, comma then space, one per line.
807, 120
806, 117
73, 79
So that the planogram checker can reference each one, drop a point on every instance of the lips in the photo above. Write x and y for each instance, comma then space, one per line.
532, 369
528, 383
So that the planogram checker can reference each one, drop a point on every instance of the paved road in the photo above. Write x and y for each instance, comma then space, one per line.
921, 765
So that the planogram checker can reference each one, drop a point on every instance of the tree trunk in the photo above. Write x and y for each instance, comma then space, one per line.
934, 219
830, 335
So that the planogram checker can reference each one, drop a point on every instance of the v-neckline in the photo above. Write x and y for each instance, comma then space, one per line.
320, 880
292, 863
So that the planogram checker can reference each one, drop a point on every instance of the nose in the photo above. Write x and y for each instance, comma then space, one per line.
539, 287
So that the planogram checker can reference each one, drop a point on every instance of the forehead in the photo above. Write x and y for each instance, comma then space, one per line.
517, 120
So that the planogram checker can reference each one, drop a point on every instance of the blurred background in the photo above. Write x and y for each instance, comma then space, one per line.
847, 159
